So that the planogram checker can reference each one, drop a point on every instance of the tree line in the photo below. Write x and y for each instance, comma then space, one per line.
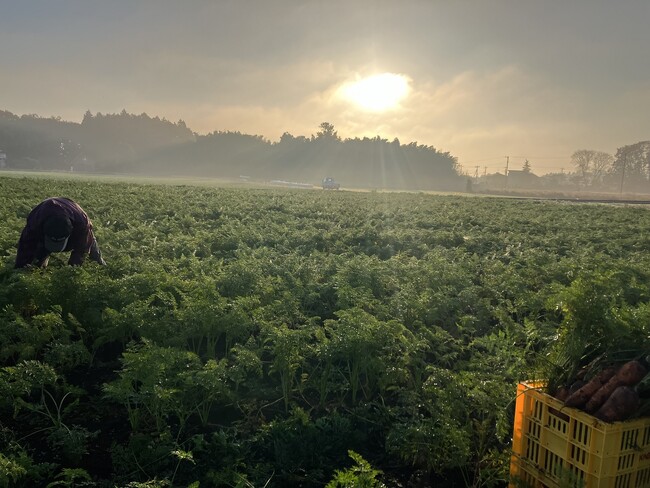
128, 143
140, 144
628, 170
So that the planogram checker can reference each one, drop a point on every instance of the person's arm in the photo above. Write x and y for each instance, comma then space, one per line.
77, 257
84, 245
95, 253
26, 248
80, 242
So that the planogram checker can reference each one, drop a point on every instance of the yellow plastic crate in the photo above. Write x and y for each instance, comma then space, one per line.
554, 446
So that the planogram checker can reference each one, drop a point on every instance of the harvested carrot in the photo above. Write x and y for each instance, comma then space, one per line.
628, 375
581, 396
632, 372
562, 393
621, 404
576, 385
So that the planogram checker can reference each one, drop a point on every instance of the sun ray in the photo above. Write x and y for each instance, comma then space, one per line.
377, 93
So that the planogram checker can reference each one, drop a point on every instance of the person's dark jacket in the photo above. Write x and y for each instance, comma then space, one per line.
30, 245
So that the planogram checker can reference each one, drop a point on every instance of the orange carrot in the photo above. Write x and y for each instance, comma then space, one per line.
621, 404
576, 385
628, 375
581, 396
562, 393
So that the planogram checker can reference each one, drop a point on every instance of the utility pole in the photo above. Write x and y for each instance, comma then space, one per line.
623, 172
507, 163
476, 173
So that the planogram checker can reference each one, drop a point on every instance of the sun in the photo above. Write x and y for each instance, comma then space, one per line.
377, 93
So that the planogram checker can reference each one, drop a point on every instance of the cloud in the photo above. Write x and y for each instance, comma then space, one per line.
478, 115
485, 81
492, 113
472, 113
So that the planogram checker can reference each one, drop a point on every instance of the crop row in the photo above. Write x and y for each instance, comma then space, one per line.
255, 335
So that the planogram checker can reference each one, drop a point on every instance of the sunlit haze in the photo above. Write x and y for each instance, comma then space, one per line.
378, 92
489, 82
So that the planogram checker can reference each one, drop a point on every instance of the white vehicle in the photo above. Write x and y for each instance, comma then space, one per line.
330, 184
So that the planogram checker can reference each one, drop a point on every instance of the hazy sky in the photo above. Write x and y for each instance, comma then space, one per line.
535, 79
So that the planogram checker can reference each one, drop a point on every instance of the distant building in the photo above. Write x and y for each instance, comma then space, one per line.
518, 178
495, 181
3, 159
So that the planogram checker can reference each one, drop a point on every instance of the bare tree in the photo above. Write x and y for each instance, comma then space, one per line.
591, 165
601, 163
582, 161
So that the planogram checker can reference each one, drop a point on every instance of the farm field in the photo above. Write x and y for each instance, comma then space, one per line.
256, 337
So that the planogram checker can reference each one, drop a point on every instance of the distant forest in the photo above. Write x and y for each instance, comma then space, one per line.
139, 144
144, 145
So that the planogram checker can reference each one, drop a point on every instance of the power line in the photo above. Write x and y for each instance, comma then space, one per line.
495, 158
481, 160
562, 160
543, 157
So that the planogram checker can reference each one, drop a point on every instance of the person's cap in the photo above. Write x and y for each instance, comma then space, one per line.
57, 230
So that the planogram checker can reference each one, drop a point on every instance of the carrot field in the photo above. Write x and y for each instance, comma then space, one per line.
253, 337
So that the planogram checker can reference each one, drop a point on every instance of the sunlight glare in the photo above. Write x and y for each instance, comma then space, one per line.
378, 92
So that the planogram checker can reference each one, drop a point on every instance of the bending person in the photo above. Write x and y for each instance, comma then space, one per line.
57, 225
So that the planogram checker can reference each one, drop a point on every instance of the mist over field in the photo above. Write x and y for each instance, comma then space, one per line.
150, 146
481, 80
